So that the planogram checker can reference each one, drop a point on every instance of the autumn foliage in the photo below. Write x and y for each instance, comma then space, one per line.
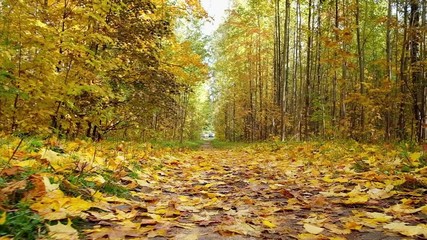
96, 68
322, 68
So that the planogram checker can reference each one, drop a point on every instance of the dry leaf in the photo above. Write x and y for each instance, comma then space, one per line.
240, 228
61, 231
312, 228
410, 231
268, 224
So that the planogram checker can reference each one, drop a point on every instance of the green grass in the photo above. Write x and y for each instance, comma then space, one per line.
115, 190
22, 224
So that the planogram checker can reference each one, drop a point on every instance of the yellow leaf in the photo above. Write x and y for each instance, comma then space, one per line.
307, 236
353, 225
379, 217
191, 236
414, 157
28, 163
55, 206
3, 218
48, 186
61, 231
376, 193
358, 199
410, 231
335, 229
312, 228
332, 180
98, 179
241, 228
402, 208
268, 224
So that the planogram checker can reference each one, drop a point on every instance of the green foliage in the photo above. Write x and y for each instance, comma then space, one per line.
2, 182
114, 189
34, 145
22, 224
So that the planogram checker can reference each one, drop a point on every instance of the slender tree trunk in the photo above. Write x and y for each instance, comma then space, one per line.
308, 72
335, 80
418, 86
402, 122
361, 61
285, 74
423, 74
277, 54
388, 112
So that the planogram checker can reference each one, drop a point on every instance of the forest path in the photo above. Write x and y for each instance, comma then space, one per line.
244, 194
206, 146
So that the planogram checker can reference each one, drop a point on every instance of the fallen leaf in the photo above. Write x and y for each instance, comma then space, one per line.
240, 228
61, 231
335, 229
358, 199
403, 208
410, 231
3, 218
38, 189
98, 179
376, 193
49, 186
13, 187
313, 229
414, 158
194, 235
56, 206
379, 217
268, 224
11, 171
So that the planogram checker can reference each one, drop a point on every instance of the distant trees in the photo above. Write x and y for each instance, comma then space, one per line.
323, 68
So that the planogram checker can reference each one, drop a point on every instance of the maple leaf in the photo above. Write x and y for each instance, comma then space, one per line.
118, 232
11, 171
313, 229
240, 228
404, 229
56, 206
38, 189
61, 231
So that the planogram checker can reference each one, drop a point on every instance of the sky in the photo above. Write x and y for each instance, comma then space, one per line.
216, 10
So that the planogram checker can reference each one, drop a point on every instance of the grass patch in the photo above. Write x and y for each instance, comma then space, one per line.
114, 189
34, 145
22, 224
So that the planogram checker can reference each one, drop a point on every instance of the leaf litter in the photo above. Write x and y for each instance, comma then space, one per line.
295, 191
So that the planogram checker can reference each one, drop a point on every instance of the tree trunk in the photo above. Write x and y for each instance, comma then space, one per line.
308, 73
361, 61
